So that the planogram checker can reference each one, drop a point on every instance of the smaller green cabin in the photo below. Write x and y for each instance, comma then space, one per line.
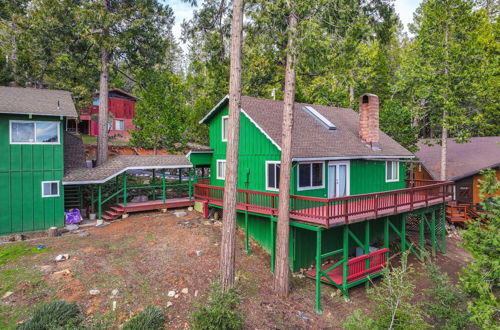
32, 124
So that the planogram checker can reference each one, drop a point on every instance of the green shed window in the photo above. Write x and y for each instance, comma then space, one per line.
221, 169
391, 171
311, 176
272, 175
34, 132
225, 121
50, 188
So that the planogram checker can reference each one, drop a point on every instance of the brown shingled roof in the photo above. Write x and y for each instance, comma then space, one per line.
119, 164
17, 100
463, 159
313, 140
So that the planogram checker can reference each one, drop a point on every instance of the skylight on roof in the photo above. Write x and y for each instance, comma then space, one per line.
319, 117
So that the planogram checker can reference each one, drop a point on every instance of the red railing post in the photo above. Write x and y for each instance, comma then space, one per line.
375, 202
426, 197
411, 198
395, 202
346, 211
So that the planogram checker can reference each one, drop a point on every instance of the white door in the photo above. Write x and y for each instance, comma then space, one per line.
338, 179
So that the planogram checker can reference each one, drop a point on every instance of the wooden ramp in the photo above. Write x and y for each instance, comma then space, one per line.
118, 209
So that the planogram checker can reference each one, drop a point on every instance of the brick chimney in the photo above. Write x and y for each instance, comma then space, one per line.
369, 119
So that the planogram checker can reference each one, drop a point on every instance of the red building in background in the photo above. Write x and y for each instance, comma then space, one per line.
121, 115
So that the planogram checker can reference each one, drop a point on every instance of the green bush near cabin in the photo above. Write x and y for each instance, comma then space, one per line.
220, 311
56, 314
151, 318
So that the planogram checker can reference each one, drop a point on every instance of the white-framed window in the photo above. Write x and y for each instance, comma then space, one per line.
50, 188
34, 132
119, 125
225, 124
221, 169
273, 175
310, 176
391, 171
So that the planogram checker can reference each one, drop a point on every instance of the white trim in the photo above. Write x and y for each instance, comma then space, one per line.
260, 129
310, 187
349, 157
213, 109
217, 169
319, 117
267, 162
34, 132
224, 138
347, 174
397, 171
120, 129
58, 189
198, 152
68, 183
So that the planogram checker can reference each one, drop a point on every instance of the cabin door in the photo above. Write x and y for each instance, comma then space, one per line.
338, 179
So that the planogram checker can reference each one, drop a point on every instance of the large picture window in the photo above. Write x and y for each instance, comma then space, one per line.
225, 123
272, 175
310, 176
34, 132
391, 171
50, 188
221, 169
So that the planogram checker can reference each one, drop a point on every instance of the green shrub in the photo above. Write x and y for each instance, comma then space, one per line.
151, 318
219, 312
448, 307
392, 298
56, 314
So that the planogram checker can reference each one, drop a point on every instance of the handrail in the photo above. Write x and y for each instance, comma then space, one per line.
326, 210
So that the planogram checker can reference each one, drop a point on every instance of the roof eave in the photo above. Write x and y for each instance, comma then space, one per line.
214, 109
308, 159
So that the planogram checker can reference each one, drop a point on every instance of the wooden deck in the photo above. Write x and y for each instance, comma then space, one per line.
335, 211
157, 204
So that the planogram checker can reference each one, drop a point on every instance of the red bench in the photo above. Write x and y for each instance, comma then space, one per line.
356, 267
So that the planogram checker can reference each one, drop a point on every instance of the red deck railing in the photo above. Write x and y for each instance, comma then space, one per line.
335, 211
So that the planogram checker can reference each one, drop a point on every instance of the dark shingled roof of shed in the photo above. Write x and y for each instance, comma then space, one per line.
118, 164
463, 159
313, 140
17, 100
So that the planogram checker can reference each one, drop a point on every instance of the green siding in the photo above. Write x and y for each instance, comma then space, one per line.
369, 176
22, 169
198, 159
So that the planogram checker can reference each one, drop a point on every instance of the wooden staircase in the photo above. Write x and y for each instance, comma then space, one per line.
114, 212
461, 213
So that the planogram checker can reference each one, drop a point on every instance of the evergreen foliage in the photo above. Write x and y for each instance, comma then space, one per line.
56, 314
481, 278
151, 318
392, 298
220, 311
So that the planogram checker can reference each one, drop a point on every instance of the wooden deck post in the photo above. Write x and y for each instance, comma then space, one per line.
318, 272
422, 232
125, 188
99, 199
273, 243
386, 237
433, 232
163, 187
403, 234
190, 184
153, 181
367, 248
247, 249
92, 199
443, 228
345, 256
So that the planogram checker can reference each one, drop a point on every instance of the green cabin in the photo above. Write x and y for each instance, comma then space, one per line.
32, 166
348, 186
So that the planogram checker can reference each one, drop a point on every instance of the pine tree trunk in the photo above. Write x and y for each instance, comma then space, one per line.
227, 263
444, 142
281, 270
13, 56
102, 136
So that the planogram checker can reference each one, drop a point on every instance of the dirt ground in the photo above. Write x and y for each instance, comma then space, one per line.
147, 255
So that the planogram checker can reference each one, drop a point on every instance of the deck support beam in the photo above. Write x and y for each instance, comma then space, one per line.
125, 188
443, 228
273, 242
318, 272
153, 181
433, 232
422, 232
345, 257
367, 248
163, 187
99, 203
247, 248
